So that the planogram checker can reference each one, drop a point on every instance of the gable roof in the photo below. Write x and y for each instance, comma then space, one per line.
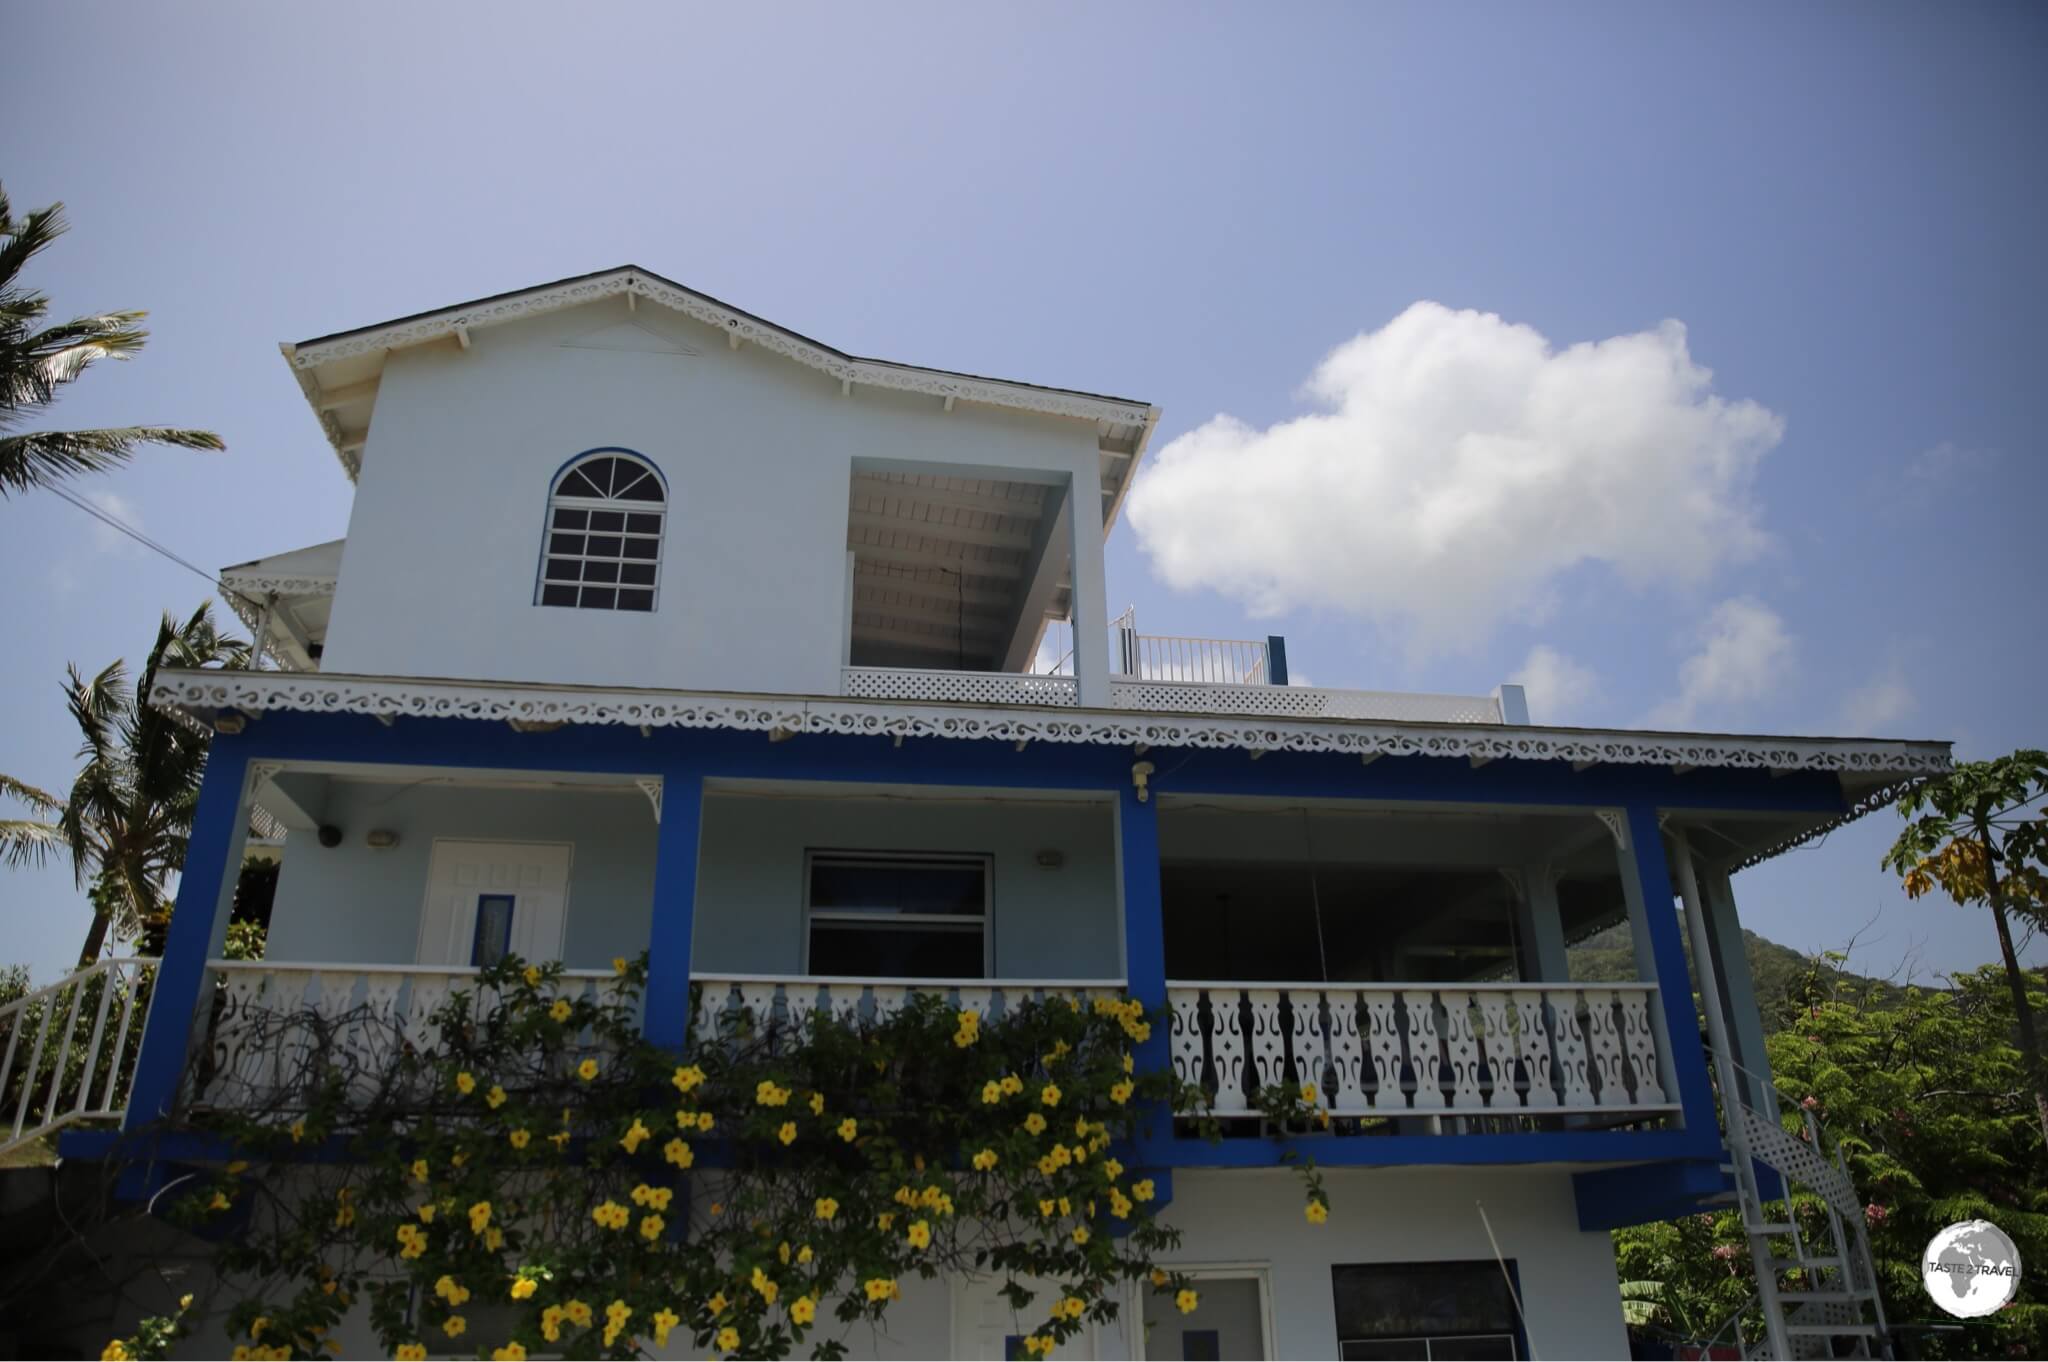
339, 373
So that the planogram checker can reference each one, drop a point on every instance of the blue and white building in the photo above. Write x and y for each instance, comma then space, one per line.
661, 627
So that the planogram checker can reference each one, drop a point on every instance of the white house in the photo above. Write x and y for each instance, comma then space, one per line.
661, 627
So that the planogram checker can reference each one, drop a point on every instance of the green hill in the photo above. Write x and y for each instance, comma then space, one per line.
1778, 970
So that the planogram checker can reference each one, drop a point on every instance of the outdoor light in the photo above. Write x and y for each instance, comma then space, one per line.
381, 838
230, 721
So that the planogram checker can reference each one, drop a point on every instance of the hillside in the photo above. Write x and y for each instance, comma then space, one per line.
1777, 969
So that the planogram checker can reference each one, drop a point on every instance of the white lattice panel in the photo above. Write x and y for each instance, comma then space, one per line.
1302, 702
1799, 1161
979, 688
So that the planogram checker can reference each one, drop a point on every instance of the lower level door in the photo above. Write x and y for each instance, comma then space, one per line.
486, 900
986, 1329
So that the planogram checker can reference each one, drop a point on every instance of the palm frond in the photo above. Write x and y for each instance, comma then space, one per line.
21, 240
26, 842
39, 799
38, 365
31, 460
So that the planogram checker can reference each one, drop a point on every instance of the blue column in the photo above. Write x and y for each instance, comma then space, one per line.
1674, 980
205, 893
1137, 831
667, 1020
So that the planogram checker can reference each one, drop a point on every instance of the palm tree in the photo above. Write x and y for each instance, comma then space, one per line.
35, 364
125, 820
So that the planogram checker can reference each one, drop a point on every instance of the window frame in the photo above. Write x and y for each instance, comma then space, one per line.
1516, 1333
1258, 1271
560, 501
984, 861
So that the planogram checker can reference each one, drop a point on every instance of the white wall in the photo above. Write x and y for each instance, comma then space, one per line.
359, 905
1059, 924
438, 575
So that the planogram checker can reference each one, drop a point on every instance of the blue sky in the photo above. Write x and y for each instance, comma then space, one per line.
1826, 520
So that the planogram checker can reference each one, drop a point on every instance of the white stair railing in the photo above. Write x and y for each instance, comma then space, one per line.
70, 1049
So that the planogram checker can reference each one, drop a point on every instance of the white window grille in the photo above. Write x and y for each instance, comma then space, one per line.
605, 520
897, 915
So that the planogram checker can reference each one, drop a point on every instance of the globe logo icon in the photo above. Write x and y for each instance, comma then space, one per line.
1971, 1269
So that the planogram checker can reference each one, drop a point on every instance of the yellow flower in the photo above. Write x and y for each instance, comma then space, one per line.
765, 1284
1080, 1234
298, 1130
1119, 1204
880, 1288
678, 1152
635, 1136
1130, 1065
465, 1083
1142, 1190
803, 1253
1047, 1206
419, 1170
495, 1097
426, 1213
1113, 1168
767, 1094
411, 1352
551, 1324
1120, 1093
454, 1325
577, 1313
827, 1208
560, 1009
687, 1077
559, 1140
514, 1351
219, 1203
1035, 1123
262, 1322
479, 1216
885, 1220
1065, 1207
728, 1339
520, 1138
848, 1128
665, 1319
1012, 1085
587, 1070
1316, 1212
788, 1132
716, 1305
985, 1160
1187, 1300
802, 1310
618, 964
817, 1104
1050, 1095
704, 1121
1308, 1092
919, 1234
991, 1092
532, 975
523, 1288
651, 1227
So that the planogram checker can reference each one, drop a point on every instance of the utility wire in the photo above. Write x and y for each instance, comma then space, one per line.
114, 523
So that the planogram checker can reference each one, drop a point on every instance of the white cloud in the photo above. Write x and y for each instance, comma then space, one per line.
105, 537
1559, 689
1458, 466
1948, 462
1744, 650
1881, 701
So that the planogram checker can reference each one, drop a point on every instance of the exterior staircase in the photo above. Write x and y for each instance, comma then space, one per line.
1816, 1287
67, 1051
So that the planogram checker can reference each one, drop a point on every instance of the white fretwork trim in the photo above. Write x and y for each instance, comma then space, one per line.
651, 787
1616, 821
1302, 702
980, 688
244, 596
206, 691
260, 587
735, 325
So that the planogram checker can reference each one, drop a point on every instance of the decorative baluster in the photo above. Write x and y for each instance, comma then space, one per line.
236, 1064
1345, 1074
1312, 1046
381, 1024
890, 999
1570, 1034
1267, 1047
976, 1000
1497, 1041
1605, 1038
1461, 1050
1424, 1048
1231, 1049
429, 992
1380, 1017
1640, 1037
1532, 1026
1187, 1042
803, 1001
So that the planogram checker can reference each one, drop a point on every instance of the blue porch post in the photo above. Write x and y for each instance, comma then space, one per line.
1666, 948
1137, 835
198, 927
667, 1021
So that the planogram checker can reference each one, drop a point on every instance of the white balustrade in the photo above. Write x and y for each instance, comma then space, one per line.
778, 1002
979, 688
1437, 1050
277, 1021
70, 1048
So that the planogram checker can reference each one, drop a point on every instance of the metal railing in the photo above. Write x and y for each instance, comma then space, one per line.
51, 1075
1421, 1049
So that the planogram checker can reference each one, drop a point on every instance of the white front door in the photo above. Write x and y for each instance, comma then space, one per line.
983, 1322
486, 899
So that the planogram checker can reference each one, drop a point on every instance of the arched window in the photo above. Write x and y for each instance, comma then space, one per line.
603, 551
